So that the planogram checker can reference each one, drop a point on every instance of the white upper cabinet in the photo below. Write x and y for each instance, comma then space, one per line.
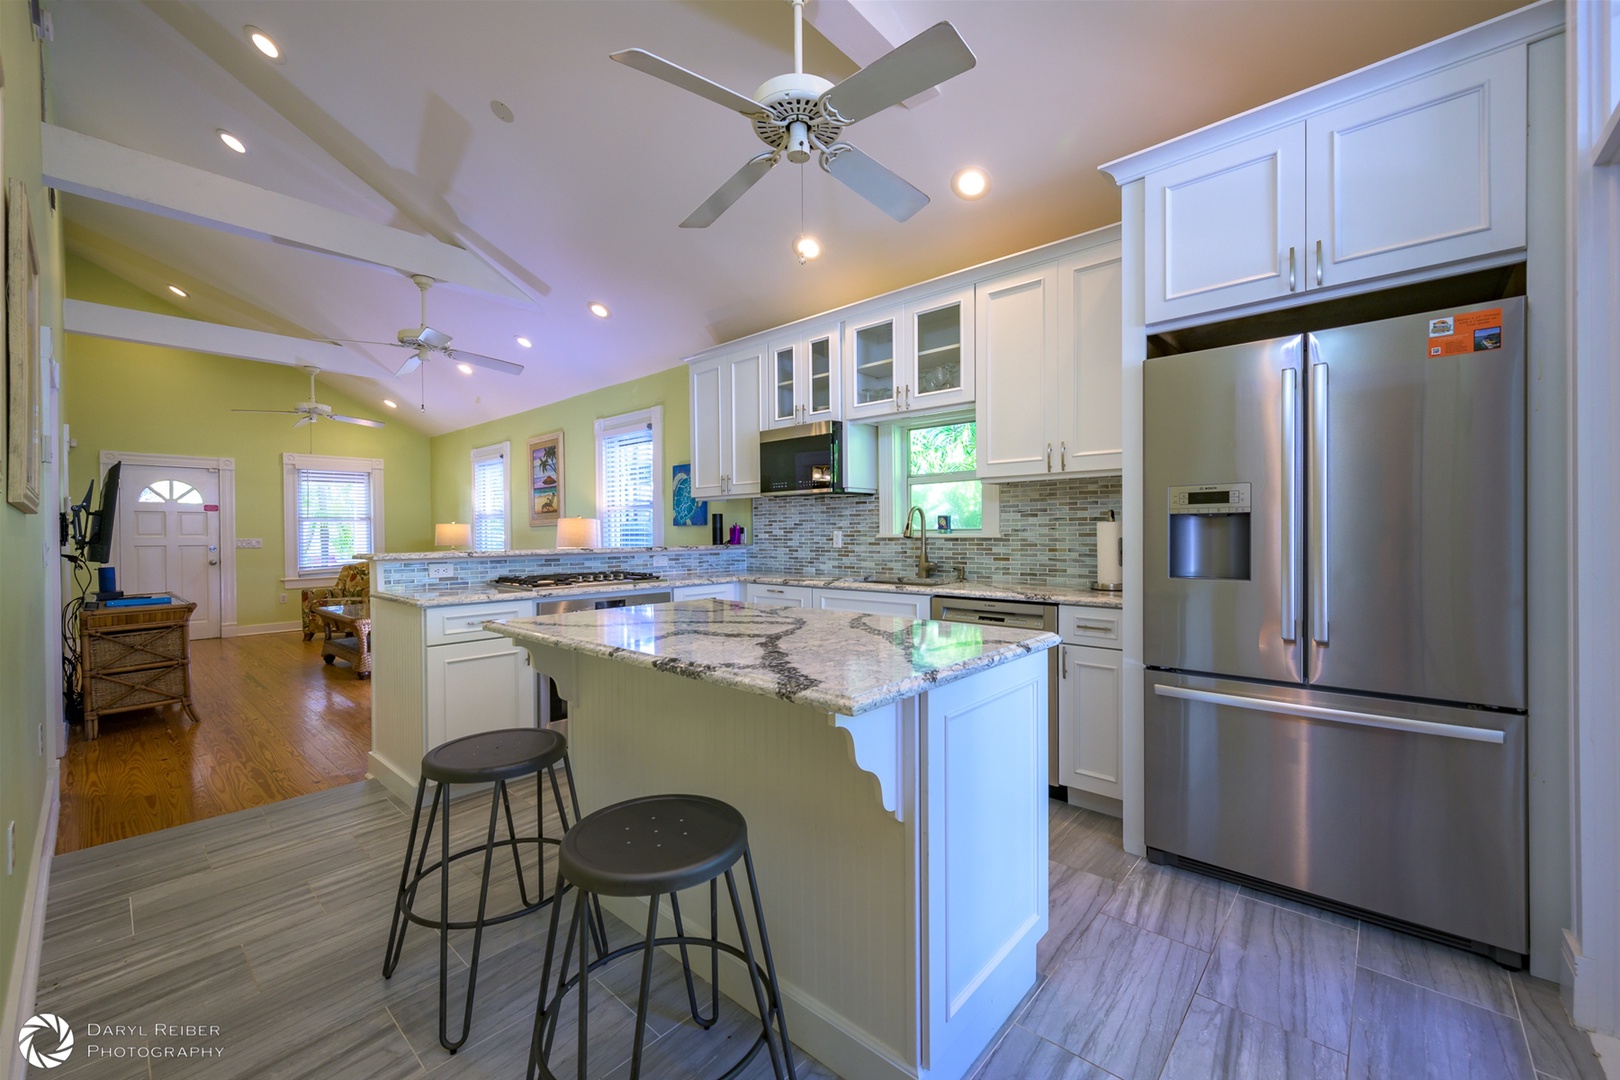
913, 356
1428, 172
1226, 228
1425, 173
1048, 381
804, 378
726, 415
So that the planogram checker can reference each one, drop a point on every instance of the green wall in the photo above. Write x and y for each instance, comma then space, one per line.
150, 400
576, 419
26, 540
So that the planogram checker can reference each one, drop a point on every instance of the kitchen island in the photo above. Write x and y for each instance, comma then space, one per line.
892, 772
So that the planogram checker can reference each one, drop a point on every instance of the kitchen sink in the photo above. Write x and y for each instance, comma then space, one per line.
891, 579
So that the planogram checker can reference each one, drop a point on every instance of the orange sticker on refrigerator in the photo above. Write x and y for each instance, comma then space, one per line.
1472, 331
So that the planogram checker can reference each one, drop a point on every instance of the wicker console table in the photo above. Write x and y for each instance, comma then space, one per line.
135, 658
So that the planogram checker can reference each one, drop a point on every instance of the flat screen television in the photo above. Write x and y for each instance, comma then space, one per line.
98, 548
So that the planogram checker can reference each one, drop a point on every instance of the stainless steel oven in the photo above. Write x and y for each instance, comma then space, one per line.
553, 708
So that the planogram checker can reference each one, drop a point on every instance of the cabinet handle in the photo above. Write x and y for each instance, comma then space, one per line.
776, 591
1048, 457
1319, 262
1065, 668
1291, 278
1063, 457
1091, 628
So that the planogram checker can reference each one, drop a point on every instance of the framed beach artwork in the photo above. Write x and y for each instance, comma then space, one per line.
22, 354
688, 511
545, 479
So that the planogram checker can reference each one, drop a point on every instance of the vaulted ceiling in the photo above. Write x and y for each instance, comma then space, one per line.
383, 110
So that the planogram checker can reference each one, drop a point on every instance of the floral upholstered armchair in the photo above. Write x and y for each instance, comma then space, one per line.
353, 583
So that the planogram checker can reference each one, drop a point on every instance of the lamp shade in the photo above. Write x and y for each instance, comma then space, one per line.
455, 534
578, 533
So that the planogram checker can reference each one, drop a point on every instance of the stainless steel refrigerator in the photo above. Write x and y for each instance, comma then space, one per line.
1333, 566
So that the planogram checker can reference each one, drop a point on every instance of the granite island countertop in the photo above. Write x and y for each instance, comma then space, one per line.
834, 660
1066, 592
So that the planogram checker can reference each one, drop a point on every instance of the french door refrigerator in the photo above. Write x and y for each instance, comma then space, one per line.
1333, 566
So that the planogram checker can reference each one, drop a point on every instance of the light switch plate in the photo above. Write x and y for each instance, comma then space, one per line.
249, 542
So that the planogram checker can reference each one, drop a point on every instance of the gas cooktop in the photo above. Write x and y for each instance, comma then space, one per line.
517, 582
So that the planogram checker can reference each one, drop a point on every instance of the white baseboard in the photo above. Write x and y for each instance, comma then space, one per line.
1608, 1052
20, 993
260, 628
392, 777
1102, 804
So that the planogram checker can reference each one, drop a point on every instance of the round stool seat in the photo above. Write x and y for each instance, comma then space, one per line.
652, 845
493, 755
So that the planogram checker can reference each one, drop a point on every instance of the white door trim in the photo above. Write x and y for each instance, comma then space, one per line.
226, 467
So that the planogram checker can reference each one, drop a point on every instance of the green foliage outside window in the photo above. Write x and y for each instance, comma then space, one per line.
940, 462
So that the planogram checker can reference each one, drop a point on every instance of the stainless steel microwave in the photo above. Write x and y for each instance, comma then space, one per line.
830, 457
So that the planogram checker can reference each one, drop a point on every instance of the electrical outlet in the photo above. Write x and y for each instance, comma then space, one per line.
441, 570
660, 561
249, 542
283, 598
11, 848
838, 538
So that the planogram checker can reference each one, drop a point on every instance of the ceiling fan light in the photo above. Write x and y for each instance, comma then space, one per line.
465, 369
390, 404
178, 291
525, 342
971, 183
263, 42
806, 247
232, 141
599, 309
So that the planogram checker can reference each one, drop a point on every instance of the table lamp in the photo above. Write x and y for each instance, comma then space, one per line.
578, 533
453, 535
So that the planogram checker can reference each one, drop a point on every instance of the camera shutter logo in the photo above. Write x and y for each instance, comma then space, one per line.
34, 1029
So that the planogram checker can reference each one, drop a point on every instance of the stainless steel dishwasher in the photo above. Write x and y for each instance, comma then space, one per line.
551, 707
1019, 615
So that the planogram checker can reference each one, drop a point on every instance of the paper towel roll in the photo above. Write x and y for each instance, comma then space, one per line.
1108, 553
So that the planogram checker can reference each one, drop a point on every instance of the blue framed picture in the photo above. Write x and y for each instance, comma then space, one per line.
688, 511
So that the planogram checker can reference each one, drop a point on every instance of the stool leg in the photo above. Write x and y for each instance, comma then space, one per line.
599, 928
753, 976
511, 834
686, 965
405, 899
584, 917
770, 964
576, 923
496, 798
641, 998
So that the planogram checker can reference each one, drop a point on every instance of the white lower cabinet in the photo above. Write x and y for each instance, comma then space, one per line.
1089, 700
778, 595
868, 602
727, 590
475, 686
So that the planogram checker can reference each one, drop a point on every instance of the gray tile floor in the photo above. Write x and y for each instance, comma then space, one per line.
268, 925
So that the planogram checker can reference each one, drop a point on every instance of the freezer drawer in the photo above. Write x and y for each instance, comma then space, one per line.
1413, 811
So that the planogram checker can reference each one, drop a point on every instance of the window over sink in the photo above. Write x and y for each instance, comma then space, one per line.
930, 463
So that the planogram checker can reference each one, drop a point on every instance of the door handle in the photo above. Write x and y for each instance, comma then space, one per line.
213, 555
1339, 716
1319, 499
1319, 262
1290, 505
1290, 268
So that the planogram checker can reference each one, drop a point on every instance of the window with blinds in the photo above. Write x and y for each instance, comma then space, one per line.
627, 489
489, 498
333, 518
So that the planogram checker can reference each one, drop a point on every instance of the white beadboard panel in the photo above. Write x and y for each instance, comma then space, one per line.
397, 674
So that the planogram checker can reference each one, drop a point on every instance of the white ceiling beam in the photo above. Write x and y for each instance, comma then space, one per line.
172, 332
864, 30
96, 169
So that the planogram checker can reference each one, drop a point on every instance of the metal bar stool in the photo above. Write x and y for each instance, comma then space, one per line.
490, 757
648, 847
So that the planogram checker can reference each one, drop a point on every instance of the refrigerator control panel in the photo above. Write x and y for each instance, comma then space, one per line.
1210, 499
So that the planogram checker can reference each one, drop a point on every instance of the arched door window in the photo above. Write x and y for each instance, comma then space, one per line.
170, 491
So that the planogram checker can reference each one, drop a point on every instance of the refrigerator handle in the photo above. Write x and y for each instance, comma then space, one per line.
1318, 533
1290, 507
1339, 716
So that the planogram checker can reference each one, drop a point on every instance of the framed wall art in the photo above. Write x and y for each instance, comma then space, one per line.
22, 353
545, 479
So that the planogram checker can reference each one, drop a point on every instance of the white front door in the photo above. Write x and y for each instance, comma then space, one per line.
168, 537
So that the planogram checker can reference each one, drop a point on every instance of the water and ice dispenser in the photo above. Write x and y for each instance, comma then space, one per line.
1209, 531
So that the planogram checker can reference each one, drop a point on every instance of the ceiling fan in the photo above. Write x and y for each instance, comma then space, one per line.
424, 340
308, 412
796, 113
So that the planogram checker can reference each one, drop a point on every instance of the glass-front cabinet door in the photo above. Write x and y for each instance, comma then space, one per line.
941, 368
872, 355
782, 387
805, 377
821, 400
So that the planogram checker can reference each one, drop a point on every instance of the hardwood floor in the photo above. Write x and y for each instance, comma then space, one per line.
275, 723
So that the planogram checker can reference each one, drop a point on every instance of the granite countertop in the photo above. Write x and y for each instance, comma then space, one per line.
433, 556
1076, 593
834, 660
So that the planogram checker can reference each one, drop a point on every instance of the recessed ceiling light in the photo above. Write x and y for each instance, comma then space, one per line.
391, 404
599, 309
232, 141
465, 369
971, 183
263, 42
525, 342
177, 290
806, 247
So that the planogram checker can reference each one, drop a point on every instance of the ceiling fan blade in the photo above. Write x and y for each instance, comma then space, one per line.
356, 420
872, 182
730, 191
411, 363
930, 58
278, 412
433, 339
505, 367
659, 68
305, 420
357, 341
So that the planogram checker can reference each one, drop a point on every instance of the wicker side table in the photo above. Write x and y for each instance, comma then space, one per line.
353, 640
135, 658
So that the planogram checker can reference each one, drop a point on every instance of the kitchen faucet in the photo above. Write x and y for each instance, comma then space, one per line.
924, 567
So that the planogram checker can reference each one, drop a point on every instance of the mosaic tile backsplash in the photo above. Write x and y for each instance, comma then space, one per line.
1047, 535
477, 571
